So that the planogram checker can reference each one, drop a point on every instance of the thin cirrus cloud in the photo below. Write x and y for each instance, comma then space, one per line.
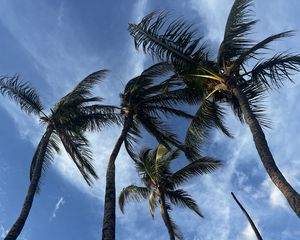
58, 205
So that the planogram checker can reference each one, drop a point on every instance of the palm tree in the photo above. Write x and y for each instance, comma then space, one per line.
239, 76
74, 113
161, 185
143, 103
255, 230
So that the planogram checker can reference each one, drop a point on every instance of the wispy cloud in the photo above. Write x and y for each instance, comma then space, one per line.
3, 231
58, 205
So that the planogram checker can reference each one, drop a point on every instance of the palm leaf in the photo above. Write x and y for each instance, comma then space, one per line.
78, 149
152, 203
201, 166
178, 44
83, 90
181, 198
237, 29
133, 193
274, 71
22, 93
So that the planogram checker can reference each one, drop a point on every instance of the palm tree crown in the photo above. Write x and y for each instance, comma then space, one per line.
161, 184
71, 116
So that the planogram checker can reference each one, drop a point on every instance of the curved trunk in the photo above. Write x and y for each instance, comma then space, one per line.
265, 154
16, 229
166, 217
109, 219
257, 234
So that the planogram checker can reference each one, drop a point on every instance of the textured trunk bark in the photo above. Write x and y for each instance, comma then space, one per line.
166, 219
16, 229
109, 219
258, 236
265, 154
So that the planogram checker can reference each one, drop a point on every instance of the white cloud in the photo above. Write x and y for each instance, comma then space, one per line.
58, 205
248, 233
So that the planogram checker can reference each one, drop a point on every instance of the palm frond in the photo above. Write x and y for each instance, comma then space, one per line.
275, 71
172, 41
159, 130
238, 26
255, 93
96, 117
252, 52
22, 93
78, 149
83, 90
201, 166
44, 152
209, 116
133, 193
181, 198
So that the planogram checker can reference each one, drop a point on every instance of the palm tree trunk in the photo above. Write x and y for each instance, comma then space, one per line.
166, 217
265, 154
248, 217
109, 219
16, 229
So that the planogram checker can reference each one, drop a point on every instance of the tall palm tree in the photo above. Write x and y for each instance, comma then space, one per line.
71, 116
161, 185
240, 75
143, 103
255, 230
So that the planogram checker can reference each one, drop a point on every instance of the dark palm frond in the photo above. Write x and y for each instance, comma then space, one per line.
22, 93
210, 115
96, 117
142, 84
172, 41
83, 90
156, 111
44, 153
174, 97
256, 93
273, 72
252, 52
181, 198
133, 193
238, 26
159, 130
132, 138
78, 149
201, 166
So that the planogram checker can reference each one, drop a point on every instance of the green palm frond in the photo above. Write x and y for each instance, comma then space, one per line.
274, 71
181, 198
238, 26
199, 167
132, 193
78, 149
172, 41
22, 93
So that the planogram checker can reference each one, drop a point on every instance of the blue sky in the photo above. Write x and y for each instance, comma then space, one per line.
54, 44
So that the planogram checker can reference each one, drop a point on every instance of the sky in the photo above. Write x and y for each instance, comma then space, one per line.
55, 44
